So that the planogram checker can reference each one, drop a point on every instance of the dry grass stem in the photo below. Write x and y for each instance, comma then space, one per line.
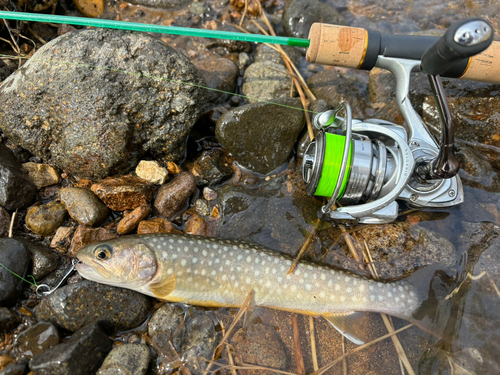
493, 285
245, 366
313, 344
244, 13
296, 345
359, 348
226, 335
11, 227
231, 361
344, 361
304, 247
350, 245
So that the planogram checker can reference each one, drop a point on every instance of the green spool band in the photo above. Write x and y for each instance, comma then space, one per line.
334, 152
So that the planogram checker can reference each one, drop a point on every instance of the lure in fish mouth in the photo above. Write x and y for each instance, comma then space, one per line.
214, 272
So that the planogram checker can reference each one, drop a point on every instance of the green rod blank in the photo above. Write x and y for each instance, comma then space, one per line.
134, 26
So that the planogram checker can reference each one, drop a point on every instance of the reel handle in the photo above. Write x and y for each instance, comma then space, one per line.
463, 39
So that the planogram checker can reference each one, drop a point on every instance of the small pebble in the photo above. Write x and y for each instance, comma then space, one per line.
127, 358
42, 175
173, 196
202, 207
209, 194
173, 168
85, 236
62, 239
83, 206
134, 338
156, 225
90, 8
197, 225
131, 220
152, 171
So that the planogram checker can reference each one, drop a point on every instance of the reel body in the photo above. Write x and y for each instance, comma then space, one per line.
367, 166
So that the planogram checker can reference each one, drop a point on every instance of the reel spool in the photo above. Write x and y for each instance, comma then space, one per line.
365, 170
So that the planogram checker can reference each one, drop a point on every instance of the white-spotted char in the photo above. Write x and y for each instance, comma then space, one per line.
215, 272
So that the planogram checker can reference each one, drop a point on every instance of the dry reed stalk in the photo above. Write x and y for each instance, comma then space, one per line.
304, 247
296, 345
244, 13
313, 344
344, 361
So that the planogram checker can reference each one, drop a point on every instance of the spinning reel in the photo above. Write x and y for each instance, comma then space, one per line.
367, 166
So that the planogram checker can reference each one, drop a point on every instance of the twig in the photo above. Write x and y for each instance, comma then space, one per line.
313, 344
244, 13
359, 348
11, 227
344, 361
296, 344
304, 247
17, 49
231, 361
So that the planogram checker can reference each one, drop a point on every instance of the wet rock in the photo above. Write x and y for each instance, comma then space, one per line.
266, 80
173, 168
266, 53
42, 175
37, 339
5, 360
15, 256
73, 306
4, 223
151, 171
211, 168
200, 340
94, 130
131, 220
156, 225
62, 239
165, 326
173, 195
163, 4
336, 87
398, 249
44, 260
299, 15
83, 206
257, 215
225, 46
198, 226
244, 60
85, 236
46, 218
8, 320
220, 74
5, 70
16, 368
82, 353
260, 345
16, 188
90, 8
133, 358
202, 207
256, 143
124, 193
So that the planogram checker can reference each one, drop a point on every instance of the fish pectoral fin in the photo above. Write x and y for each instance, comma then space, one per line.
351, 324
164, 287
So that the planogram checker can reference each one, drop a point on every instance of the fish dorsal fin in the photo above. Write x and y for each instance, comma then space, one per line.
164, 287
351, 324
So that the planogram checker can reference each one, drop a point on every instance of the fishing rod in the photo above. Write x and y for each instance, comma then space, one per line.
368, 166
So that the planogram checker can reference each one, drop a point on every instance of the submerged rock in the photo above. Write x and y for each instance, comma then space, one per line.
220, 74
100, 122
165, 327
4, 223
131, 220
14, 256
174, 194
266, 80
212, 167
73, 306
82, 353
44, 260
8, 320
16, 188
37, 339
261, 136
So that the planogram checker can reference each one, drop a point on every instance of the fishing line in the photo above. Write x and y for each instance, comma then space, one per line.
22, 278
79, 65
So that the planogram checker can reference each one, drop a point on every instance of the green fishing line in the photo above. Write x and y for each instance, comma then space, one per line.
334, 152
173, 30
22, 278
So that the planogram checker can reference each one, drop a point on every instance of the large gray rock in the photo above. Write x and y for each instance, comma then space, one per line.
266, 80
261, 136
16, 188
133, 358
98, 121
73, 306
14, 256
81, 354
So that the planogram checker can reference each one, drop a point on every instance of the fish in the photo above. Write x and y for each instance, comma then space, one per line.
214, 272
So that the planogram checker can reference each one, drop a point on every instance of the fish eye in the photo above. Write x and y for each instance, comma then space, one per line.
102, 252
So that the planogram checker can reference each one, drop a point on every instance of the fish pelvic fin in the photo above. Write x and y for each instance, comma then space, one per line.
352, 325
164, 287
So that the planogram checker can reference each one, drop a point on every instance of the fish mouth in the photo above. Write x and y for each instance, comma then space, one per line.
93, 271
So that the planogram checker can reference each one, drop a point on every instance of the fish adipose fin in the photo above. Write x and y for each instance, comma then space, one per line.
352, 325
164, 287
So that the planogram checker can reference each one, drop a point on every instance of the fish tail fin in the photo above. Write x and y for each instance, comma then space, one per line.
433, 288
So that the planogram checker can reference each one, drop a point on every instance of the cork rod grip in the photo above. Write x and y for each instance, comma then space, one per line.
484, 67
337, 45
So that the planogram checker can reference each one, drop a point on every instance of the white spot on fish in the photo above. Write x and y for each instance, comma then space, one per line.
170, 247
323, 277
337, 287
361, 288
248, 280
322, 294
188, 270
349, 290
346, 279
224, 277
240, 257
354, 283
164, 244
380, 297
257, 260
179, 241
389, 294
203, 272
210, 263
183, 262
228, 262
171, 240
174, 256
195, 260
315, 276
330, 283
155, 240
257, 273
189, 279
213, 273
204, 253
342, 298
249, 259
400, 288
370, 287
282, 268
158, 246
397, 299
294, 288
217, 260
170, 271
236, 284
196, 249
354, 298
372, 298
274, 271
268, 283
